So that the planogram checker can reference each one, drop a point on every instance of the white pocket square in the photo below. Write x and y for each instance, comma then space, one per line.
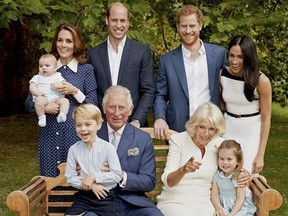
133, 152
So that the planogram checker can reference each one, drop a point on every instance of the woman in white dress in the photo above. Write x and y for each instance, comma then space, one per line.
247, 99
191, 165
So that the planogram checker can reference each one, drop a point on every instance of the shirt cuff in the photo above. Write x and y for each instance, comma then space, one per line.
122, 184
79, 96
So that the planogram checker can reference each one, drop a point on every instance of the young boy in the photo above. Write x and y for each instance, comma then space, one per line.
90, 153
42, 88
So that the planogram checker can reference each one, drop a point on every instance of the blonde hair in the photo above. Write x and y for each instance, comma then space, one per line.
117, 89
49, 56
236, 147
89, 112
207, 111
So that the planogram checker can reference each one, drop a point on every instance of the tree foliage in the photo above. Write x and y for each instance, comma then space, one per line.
151, 22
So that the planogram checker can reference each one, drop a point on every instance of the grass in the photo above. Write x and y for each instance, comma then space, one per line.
19, 160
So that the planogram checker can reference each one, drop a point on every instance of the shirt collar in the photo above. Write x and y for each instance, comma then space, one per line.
187, 52
121, 44
73, 65
221, 174
120, 131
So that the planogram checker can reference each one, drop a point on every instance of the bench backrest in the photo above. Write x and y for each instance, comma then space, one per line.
52, 196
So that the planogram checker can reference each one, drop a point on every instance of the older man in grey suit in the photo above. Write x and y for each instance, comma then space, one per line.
126, 62
187, 76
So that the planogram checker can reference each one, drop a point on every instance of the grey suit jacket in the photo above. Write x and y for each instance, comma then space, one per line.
172, 98
135, 73
139, 166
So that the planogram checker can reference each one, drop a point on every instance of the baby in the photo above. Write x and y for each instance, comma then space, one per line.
42, 88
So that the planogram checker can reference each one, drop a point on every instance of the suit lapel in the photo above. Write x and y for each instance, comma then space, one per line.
179, 68
124, 59
105, 61
125, 141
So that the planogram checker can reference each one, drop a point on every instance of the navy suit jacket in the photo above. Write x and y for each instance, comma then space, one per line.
140, 169
135, 73
172, 98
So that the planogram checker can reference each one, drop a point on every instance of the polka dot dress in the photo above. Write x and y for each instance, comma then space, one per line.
56, 138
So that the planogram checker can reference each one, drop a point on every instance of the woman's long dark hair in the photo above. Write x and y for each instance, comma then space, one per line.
250, 64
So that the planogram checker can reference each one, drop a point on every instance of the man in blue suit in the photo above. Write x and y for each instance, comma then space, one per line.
122, 61
187, 76
136, 154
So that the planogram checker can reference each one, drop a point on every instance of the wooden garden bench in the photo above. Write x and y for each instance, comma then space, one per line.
52, 195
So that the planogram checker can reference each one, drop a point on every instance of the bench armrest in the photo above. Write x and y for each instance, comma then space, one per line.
30, 196
265, 197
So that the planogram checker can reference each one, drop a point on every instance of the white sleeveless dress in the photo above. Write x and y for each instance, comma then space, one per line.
245, 130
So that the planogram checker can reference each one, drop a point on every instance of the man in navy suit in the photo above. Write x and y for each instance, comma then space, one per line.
136, 154
122, 61
187, 76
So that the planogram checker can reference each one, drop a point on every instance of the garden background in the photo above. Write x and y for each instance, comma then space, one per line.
27, 28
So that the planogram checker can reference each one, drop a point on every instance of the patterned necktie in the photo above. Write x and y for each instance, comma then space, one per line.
113, 141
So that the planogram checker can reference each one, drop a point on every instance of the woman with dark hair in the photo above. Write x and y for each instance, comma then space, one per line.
247, 98
80, 87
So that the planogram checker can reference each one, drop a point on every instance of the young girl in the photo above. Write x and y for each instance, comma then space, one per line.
95, 196
228, 198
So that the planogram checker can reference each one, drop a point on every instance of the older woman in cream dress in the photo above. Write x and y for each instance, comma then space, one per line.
191, 165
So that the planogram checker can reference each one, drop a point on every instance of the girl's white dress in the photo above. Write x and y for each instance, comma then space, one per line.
227, 194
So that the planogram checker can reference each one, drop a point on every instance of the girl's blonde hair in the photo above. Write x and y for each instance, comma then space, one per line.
236, 147
88, 111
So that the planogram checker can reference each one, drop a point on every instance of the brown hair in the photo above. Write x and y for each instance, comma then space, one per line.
232, 144
189, 10
77, 40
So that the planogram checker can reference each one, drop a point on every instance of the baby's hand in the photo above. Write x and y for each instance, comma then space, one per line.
100, 191
40, 93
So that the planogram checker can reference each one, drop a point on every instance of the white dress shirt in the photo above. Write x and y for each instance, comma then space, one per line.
91, 162
197, 78
115, 59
